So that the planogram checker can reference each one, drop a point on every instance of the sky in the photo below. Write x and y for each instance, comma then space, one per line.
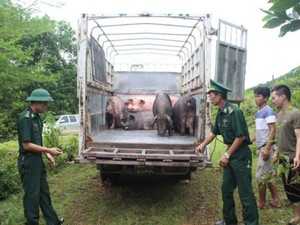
267, 56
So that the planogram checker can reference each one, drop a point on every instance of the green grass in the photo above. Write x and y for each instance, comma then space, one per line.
78, 195
9, 146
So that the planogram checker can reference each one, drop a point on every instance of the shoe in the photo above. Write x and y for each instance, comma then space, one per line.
220, 223
61, 221
223, 223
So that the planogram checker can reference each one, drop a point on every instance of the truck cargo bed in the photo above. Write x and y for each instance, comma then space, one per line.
143, 139
143, 147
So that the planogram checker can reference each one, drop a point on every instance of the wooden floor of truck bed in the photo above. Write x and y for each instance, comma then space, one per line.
142, 137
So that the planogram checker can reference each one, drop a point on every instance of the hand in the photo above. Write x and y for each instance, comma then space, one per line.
275, 159
51, 159
296, 163
200, 148
223, 161
55, 151
266, 154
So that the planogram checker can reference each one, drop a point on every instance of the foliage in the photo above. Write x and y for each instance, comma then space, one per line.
283, 13
10, 182
291, 79
52, 138
35, 53
9, 177
51, 132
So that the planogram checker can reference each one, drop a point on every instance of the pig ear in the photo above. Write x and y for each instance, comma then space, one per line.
169, 120
126, 104
154, 121
142, 102
129, 101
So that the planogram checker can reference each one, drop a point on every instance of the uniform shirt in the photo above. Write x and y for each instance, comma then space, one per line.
263, 117
30, 128
230, 123
287, 122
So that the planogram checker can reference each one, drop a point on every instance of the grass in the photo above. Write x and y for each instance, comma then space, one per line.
78, 194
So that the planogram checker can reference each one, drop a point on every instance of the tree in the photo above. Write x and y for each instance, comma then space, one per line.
54, 52
283, 13
34, 53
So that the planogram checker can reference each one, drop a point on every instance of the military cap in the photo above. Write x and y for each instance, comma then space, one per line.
217, 87
39, 95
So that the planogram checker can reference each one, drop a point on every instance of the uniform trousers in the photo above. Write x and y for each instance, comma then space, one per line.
238, 174
36, 189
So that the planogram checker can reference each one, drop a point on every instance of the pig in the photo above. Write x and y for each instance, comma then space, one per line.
142, 120
145, 102
162, 111
117, 115
139, 104
184, 113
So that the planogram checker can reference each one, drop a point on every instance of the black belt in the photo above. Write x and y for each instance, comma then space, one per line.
30, 153
243, 144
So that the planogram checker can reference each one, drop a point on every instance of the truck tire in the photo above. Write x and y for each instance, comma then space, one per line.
185, 176
111, 179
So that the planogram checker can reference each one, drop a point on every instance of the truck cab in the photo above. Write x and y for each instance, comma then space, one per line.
137, 57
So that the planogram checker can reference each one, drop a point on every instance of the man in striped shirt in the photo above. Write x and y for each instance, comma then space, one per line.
264, 136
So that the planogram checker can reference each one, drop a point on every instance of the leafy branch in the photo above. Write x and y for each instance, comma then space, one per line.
284, 14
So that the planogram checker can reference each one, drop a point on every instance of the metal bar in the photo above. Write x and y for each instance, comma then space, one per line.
136, 163
125, 15
138, 49
104, 35
147, 23
144, 38
147, 44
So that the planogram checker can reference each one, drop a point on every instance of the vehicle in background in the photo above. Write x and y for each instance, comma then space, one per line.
68, 124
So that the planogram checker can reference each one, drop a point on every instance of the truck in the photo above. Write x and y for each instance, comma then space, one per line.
138, 56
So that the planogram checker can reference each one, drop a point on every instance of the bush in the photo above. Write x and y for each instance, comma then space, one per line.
10, 182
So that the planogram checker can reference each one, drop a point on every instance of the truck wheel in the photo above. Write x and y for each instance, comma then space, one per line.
111, 179
185, 176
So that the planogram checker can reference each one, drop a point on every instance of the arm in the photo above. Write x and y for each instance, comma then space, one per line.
207, 140
270, 141
297, 156
253, 138
36, 148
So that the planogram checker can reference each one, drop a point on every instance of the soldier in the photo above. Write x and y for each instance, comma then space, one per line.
237, 160
30, 162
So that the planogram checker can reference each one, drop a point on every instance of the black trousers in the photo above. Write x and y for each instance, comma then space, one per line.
290, 184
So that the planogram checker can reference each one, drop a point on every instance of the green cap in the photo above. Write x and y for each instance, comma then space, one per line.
215, 86
39, 95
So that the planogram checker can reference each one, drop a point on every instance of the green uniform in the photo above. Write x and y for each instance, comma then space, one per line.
32, 171
230, 123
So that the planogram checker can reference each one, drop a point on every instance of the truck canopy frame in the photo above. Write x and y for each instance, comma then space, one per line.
174, 35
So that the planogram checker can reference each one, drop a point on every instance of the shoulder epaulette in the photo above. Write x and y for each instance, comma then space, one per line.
27, 114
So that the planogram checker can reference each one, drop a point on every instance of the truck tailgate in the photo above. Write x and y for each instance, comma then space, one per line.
142, 157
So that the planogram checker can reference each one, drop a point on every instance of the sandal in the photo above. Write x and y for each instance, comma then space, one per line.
273, 205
